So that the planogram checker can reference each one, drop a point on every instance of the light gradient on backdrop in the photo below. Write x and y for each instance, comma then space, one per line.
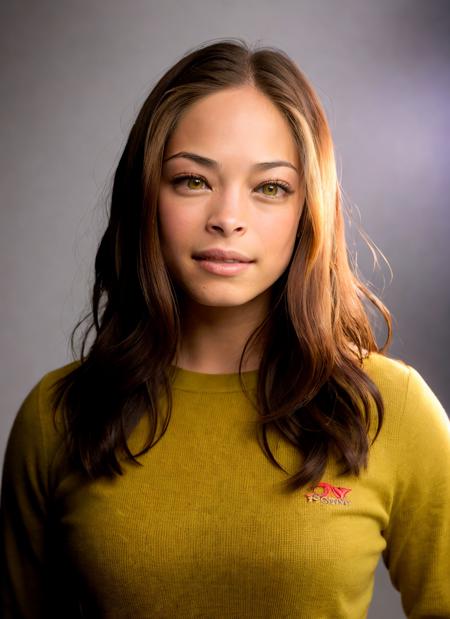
73, 78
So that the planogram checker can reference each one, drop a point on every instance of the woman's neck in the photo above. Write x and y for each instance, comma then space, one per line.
213, 338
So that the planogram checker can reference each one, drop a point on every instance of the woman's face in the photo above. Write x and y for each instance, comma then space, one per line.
236, 146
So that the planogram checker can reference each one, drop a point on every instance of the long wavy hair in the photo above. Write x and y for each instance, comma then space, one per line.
311, 382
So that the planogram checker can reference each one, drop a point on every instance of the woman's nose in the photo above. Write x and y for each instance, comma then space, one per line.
227, 215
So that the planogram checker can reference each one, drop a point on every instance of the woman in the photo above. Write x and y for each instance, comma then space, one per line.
234, 443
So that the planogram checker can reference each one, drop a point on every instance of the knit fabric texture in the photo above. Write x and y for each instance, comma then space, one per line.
203, 529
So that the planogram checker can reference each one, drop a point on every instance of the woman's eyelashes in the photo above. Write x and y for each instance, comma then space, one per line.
194, 182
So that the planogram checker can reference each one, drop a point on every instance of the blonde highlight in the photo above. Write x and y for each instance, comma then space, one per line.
311, 383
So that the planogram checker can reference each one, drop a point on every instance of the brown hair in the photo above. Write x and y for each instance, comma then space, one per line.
310, 382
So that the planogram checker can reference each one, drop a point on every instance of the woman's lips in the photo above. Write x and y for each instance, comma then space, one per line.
222, 268
221, 255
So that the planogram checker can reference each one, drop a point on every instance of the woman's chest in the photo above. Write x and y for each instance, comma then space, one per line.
204, 530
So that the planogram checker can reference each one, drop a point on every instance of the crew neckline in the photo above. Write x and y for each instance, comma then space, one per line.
188, 380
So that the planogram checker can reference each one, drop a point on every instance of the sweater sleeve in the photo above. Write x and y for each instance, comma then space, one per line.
417, 554
33, 578
23, 514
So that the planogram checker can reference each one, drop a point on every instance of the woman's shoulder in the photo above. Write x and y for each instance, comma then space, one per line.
383, 362
37, 404
34, 424
35, 446
410, 403
39, 394
49, 379
389, 373
395, 376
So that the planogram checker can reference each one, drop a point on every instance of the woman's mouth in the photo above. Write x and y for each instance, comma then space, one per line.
222, 266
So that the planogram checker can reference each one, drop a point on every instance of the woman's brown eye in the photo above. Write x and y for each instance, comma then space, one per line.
274, 189
194, 183
189, 181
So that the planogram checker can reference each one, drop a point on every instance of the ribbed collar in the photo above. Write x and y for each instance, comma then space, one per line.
198, 381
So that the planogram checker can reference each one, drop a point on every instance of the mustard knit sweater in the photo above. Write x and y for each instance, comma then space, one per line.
203, 529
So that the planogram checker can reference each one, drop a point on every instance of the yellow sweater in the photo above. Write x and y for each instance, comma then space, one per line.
203, 530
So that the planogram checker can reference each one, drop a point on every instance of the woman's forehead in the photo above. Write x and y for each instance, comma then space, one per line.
232, 123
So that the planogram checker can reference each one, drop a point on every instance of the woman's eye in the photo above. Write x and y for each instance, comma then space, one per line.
193, 182
274, 189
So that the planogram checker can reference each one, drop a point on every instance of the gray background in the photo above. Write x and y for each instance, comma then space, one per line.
74, 75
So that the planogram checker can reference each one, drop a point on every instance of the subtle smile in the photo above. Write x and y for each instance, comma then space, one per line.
222, 267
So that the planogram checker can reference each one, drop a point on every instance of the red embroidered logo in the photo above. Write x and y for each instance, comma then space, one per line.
326, 493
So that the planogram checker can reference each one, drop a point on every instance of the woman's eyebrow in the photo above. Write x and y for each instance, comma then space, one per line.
210, 163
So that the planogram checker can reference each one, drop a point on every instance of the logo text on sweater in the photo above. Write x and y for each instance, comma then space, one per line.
327, 493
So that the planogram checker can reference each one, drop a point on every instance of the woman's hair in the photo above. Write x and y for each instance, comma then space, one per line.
311, 385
